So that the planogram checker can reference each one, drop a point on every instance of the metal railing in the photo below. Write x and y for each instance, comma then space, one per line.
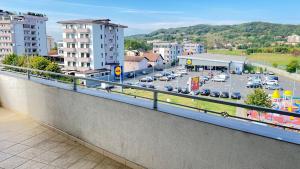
155, 97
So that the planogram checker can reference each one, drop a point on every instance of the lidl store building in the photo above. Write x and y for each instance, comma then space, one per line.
213, 61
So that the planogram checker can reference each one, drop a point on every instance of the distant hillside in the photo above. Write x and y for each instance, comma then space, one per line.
253, 34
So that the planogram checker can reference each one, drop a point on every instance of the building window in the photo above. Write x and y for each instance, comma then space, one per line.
82, 64
88, 64
82, 55
87, 55
101, 46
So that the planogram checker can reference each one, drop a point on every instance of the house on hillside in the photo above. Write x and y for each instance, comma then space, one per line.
134, 63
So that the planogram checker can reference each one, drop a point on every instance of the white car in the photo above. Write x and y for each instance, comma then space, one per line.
218, 79
271, 82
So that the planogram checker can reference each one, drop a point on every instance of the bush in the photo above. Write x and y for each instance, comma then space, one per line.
293, 66
275, 65
259, 98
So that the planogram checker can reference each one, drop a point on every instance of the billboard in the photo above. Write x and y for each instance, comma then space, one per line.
194, 83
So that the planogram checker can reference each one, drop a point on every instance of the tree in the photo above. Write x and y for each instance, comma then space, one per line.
39, 63
11, 59
275, 65
293, 66
53, 67
136, 45
259, 98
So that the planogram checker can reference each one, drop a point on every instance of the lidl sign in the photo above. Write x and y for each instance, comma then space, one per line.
189, 62
118, 71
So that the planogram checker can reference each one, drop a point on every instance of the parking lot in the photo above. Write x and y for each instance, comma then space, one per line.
235, 83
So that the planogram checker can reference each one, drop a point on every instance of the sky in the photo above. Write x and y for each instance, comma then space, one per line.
144, 16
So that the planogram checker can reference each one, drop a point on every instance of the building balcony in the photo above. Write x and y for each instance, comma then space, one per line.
70, 59
83, 40
5, 47
69, 30
69, 40
83, 50
5, 34
69, 49
70, 68
83, 30
84, 59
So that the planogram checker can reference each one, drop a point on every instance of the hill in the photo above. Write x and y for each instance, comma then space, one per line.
253, 34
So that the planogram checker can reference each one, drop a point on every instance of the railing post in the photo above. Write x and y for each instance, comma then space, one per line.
74, 84
155, 100
28, 74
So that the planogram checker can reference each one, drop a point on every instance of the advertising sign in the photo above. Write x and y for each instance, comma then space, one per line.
194, 83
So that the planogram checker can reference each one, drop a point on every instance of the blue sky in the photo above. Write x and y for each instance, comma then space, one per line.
143, 16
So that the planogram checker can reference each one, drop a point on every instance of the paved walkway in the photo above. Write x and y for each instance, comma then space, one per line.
26, 144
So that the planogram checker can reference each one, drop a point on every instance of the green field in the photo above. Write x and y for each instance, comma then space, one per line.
228, 52
185, 101
267, 58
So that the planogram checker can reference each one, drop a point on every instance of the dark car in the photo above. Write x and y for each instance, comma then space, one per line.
169, 88
224, 95
185, 91
254, 85
177, 90
130, 75
214, 94
236, 95
205, 92
144, 72
195, 93
150, 86
143, 85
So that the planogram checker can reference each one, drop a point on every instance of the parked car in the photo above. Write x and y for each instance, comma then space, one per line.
205, 92
146, 79
246, 72
214, 94
142, 85
224, 95
130, 75
166, 73
218, 79
177, 90
205, 78
195, 93
271, 73
168, 88
158, 75
183, 72
177, 74
236, 95
171, 76
144, 72
185, 91
164, 78
159, 69
253, 84
274, 87
271, 82
150, 86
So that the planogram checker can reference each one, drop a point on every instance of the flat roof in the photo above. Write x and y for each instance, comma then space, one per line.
215, 57
92, 21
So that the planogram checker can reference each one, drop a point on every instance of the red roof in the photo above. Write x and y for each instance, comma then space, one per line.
134, 58
152, 57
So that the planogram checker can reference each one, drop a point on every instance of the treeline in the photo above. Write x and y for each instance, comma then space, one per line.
34, 62
131, 44
279, 49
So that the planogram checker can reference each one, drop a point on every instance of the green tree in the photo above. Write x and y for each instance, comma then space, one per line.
11, 59
53, 67
275, 65
293, 66
136, 45
39, 63
259, 98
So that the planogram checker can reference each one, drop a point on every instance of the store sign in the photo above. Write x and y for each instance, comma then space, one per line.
118, 71
194, 83
189, 62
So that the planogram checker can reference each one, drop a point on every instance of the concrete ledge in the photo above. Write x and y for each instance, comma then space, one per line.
164, 139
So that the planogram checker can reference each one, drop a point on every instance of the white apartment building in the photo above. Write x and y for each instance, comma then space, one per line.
193, 48
60, 48
92, 45
169, 51
22, 33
